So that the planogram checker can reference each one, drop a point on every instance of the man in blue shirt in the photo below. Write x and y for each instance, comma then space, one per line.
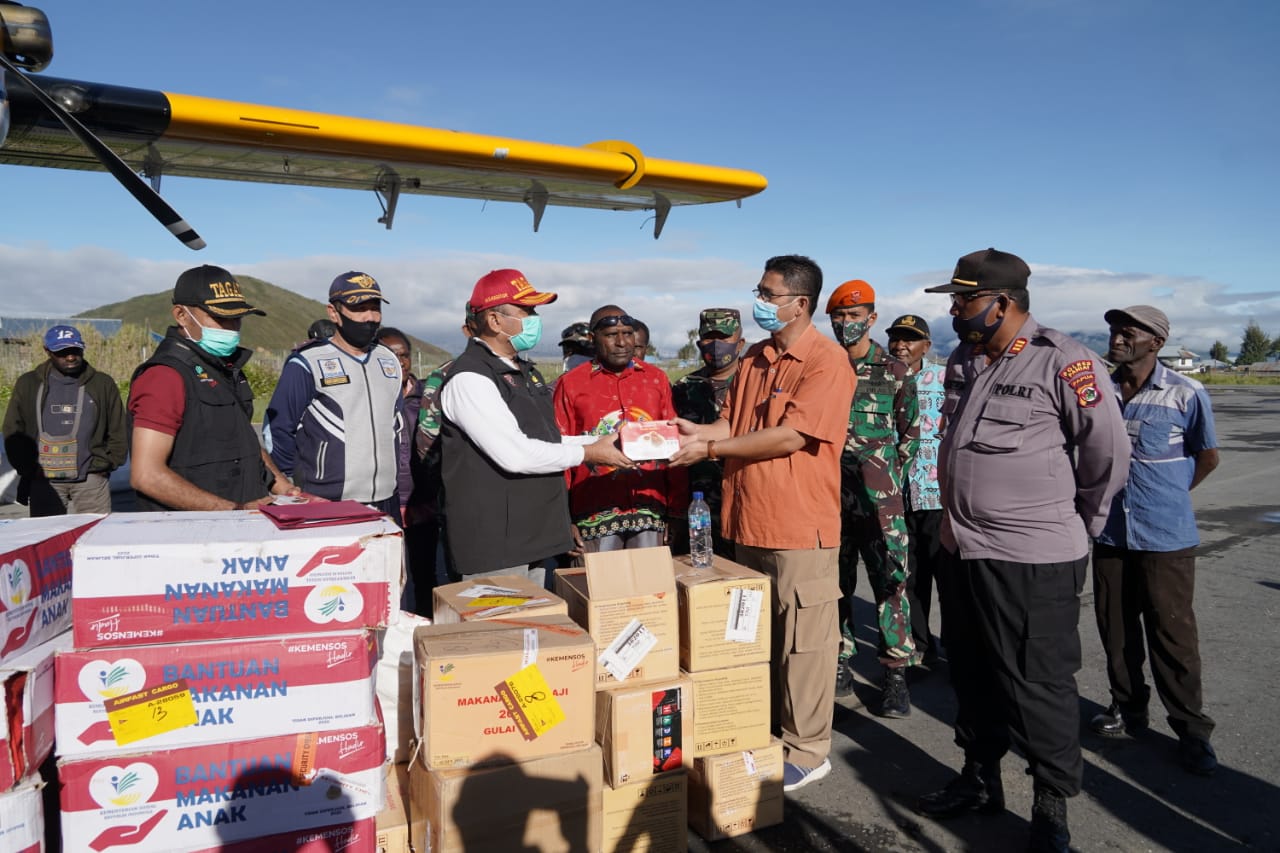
1144, 562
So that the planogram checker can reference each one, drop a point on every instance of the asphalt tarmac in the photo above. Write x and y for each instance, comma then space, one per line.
1136, 796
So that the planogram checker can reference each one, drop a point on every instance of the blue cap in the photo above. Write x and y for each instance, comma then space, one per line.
697, 496
63, 337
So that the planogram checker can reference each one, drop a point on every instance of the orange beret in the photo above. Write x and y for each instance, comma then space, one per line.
855, 292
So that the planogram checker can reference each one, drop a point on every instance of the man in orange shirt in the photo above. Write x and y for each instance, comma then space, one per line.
780, 434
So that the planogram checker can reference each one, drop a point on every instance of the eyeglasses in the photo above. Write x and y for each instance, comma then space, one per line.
767, 296
959, 299
611, 320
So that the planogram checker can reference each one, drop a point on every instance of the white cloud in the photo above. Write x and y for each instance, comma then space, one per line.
427, 292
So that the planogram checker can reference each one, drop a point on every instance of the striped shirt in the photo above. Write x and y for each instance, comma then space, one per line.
1169, 421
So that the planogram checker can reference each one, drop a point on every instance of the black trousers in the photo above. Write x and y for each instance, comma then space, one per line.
924, 556
1014, 647
1151, 593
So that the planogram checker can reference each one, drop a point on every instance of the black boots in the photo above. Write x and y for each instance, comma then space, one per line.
977, 789
1049, 824
895, 701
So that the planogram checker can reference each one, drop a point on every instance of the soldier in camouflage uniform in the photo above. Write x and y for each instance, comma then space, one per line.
699, 397
884, 433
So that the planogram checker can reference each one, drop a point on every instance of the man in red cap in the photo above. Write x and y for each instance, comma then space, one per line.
505, 504
884, 434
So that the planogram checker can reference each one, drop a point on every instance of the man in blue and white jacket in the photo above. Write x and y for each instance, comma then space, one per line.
336, 418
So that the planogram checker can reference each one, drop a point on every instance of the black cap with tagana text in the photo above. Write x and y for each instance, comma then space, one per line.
910, 325
215, 290
987, 269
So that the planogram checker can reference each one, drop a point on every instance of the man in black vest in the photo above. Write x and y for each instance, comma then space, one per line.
192, 443
505, 503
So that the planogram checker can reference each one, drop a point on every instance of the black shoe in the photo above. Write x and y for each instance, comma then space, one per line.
844, 678
895, 700
1049, 832
977, 789
1197, 755
1113, 722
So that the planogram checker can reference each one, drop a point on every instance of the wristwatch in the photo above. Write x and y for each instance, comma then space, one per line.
711, 450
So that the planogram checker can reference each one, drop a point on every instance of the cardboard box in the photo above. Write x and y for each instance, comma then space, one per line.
26, 711
174, 577
393, 820
354, 837
22, 817
395, 684
644, 440
642, 729
503, 690
725, 615
200, 797
501, 596
253, 687
547, 804
651, 815
35, 579
736, 793
627, 600
732, 709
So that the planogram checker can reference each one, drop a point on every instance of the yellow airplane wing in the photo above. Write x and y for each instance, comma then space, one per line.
160, 133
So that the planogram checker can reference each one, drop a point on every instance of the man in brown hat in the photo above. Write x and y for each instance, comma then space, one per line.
1144, 562
1034, 450
192, 443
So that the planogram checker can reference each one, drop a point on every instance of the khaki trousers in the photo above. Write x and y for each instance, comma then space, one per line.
806, 641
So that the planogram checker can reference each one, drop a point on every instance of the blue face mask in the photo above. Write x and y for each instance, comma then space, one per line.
215, 341
530, 333
766, 315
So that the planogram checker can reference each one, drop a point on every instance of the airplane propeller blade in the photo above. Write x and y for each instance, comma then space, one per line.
149, 199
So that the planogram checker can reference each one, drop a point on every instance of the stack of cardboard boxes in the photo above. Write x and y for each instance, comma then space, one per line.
506, 757
35, 614
220, 691
643, 706
735, 776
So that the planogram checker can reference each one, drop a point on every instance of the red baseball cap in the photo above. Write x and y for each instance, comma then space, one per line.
506, 287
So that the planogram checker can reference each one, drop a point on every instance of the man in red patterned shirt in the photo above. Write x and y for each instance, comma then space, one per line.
614, 509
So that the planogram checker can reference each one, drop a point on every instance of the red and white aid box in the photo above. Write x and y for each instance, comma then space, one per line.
22, 817
35, 579
649, 440
174, 577
253, 687
26, 712
201, 797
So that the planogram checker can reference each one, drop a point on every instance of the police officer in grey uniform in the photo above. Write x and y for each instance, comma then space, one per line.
1033, 451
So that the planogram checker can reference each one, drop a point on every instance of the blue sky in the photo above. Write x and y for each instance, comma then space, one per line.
1128, 150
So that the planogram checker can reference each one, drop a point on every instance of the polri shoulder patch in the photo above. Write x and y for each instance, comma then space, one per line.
1084, 365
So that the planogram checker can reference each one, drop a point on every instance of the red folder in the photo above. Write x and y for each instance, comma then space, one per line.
318, 514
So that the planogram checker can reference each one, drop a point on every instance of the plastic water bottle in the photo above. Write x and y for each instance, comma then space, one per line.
699, 532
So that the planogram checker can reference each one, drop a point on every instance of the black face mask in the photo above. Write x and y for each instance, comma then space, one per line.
357, 333
718, 354
976, 329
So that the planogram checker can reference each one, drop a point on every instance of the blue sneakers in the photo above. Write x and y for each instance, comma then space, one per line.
795, 777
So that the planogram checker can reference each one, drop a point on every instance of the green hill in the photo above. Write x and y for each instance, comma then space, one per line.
284, 327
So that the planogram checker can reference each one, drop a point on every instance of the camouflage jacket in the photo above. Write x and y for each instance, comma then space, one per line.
884, 421
699, 398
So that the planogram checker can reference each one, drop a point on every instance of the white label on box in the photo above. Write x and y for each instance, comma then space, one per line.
481, 590
530, 655
744, 615
749, 759
628, 649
